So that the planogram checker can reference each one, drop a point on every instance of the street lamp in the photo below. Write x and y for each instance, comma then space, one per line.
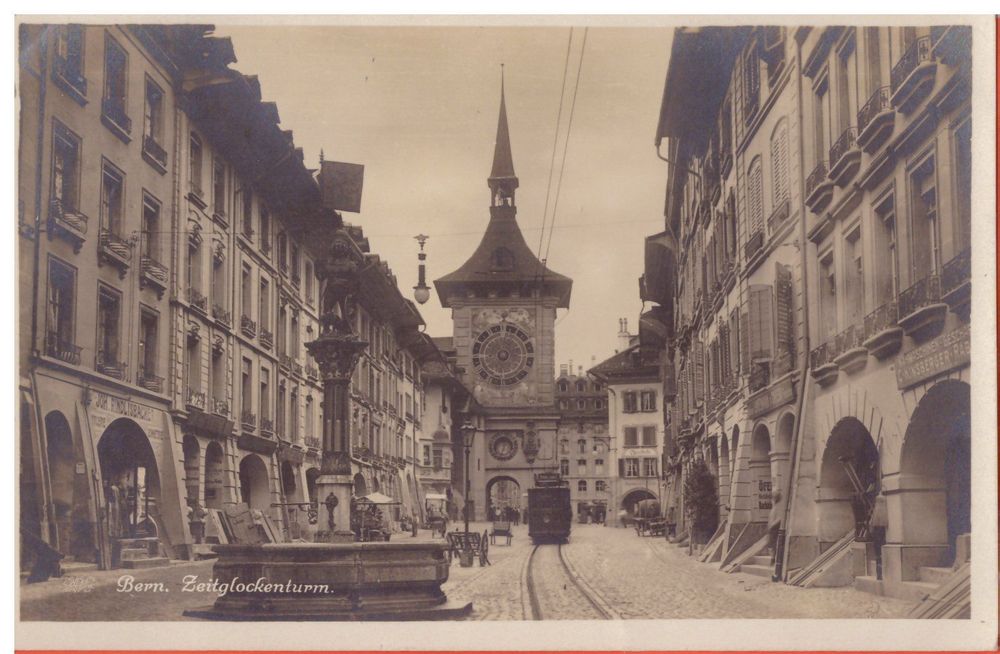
468, 435
421, 292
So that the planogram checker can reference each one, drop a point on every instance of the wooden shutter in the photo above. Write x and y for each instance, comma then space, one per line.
779, 164
699, 371
761, 322
745, 342
784, 320
755, 197
726, 370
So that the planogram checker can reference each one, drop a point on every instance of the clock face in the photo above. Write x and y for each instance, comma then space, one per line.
503, 354
503, 446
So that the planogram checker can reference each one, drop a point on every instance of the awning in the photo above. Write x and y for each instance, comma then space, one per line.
659, 271
378, 498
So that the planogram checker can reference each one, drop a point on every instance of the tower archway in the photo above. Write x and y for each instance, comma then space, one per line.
503, 494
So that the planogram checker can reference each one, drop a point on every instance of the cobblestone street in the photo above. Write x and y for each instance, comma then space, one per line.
622, 574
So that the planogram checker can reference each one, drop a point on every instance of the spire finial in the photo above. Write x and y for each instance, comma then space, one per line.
502, 180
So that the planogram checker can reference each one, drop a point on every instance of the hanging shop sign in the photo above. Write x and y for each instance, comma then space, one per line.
944, 353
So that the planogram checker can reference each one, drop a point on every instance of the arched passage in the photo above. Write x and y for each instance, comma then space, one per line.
214, 476
848, 481
131, 480
935, 472
633, 497
192, 463
74, 535
760, 474
255, 490
360, 485
724, 476
781, 452
502, 493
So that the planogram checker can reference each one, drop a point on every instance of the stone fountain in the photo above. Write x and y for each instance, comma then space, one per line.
334, 578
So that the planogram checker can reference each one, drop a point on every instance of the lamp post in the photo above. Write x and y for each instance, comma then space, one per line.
468, 435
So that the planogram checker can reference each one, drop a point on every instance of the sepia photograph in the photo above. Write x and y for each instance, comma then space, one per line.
571, 320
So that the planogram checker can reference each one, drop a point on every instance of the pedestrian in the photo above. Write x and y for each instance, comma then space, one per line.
878, 524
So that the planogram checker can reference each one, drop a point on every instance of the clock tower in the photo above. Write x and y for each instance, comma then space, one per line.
503, 302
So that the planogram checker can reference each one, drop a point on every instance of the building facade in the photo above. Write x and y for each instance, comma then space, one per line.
817, 228
504, 302
584, 443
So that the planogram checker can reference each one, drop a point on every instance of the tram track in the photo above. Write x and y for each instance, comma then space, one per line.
555, 591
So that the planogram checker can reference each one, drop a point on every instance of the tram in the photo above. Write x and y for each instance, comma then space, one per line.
550, 514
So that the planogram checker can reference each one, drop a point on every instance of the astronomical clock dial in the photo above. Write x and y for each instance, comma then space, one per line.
503, 354
503, 446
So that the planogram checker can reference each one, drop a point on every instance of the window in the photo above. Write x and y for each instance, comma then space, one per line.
598, 466
629, 402
294, 263
581, 386
115, 86
309, 282
631, 437
60, 332
963, 186
69, 57
853, 277
192, 368
264, 304
581, 466
564, 467
873, 53
265, 393
218, 381
294, 332
246, 291
218, 187
152, 124
924, 220
108, 330
265, 229
755, 197
148, 322
246, 197
887, 259
648, 400
310, 427
246, 388
751, 82
279, 412
582, 486
193, 268
219, 282
598, 404
150, 227
649, 467
630, 467
821, 117
581, 446
827, 296
581, 405
194, 164
600, 486
112, 198
649, 436
293, 434
438, 460
65, 170
564, 446
502, 259
563, 387
846, 91
779, 164
282, 242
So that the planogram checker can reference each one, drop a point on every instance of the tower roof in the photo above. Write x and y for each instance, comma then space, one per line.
503, 162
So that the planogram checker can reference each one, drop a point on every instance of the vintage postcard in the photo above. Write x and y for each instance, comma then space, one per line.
336, 327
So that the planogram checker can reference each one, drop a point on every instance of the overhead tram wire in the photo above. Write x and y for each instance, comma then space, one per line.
552, 162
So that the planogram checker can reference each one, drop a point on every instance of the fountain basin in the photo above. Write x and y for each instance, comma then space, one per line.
331, 581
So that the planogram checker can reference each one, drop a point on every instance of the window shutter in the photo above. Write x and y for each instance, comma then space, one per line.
744, 325
784, 319
755, 197
779, 163
760, 322
727, 371
699, 371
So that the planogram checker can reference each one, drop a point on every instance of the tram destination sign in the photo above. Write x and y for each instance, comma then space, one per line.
942, 354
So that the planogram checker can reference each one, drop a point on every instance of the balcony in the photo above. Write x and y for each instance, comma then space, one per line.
779, 216
68, 225
154, 154
248, 421
195, 399
148, 380
196, 194
819, 188
62, 349
875, 120
198, 301
754, 245
312, 372
845, 157
956, 283
114, 250
850, 354
153, 274
248, 327
266, 338
297, 368
313, 442
115, 119
267, 427
285, 363
68, 76
883, 337
921, 311
912, 77
222, 315
107, 364
220, 407
821, 365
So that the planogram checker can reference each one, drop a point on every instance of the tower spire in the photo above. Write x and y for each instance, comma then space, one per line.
502, 180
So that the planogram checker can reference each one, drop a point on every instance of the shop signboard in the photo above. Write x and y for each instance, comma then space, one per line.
944, 353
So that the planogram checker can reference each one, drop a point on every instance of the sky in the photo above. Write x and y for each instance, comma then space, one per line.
418, 107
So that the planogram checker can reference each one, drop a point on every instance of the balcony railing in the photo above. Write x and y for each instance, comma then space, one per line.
881, 319
153, 272
70, 224
113, 112
107, 364
248, 327
877, 104
63, 350
153, 150
313, 442
222, 314
849, 339
197, 300
69, 75
821, 356
297, 368
285, 362
816, 178
919, 52
220, 407
267, 427
114, 249
925, 292
266, 338
248, 420
195, 399
312, 372
755, 243
956, 272
779, 215
148, 380
846, 142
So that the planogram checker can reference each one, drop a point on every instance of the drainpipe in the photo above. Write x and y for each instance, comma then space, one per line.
781, 555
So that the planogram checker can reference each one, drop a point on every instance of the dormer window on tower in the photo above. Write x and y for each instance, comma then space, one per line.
502, 260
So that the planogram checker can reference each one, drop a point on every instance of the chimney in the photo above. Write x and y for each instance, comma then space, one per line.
579, 372
571, 366
623, 337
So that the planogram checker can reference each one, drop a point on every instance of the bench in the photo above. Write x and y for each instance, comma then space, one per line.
471, 541
501, 528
